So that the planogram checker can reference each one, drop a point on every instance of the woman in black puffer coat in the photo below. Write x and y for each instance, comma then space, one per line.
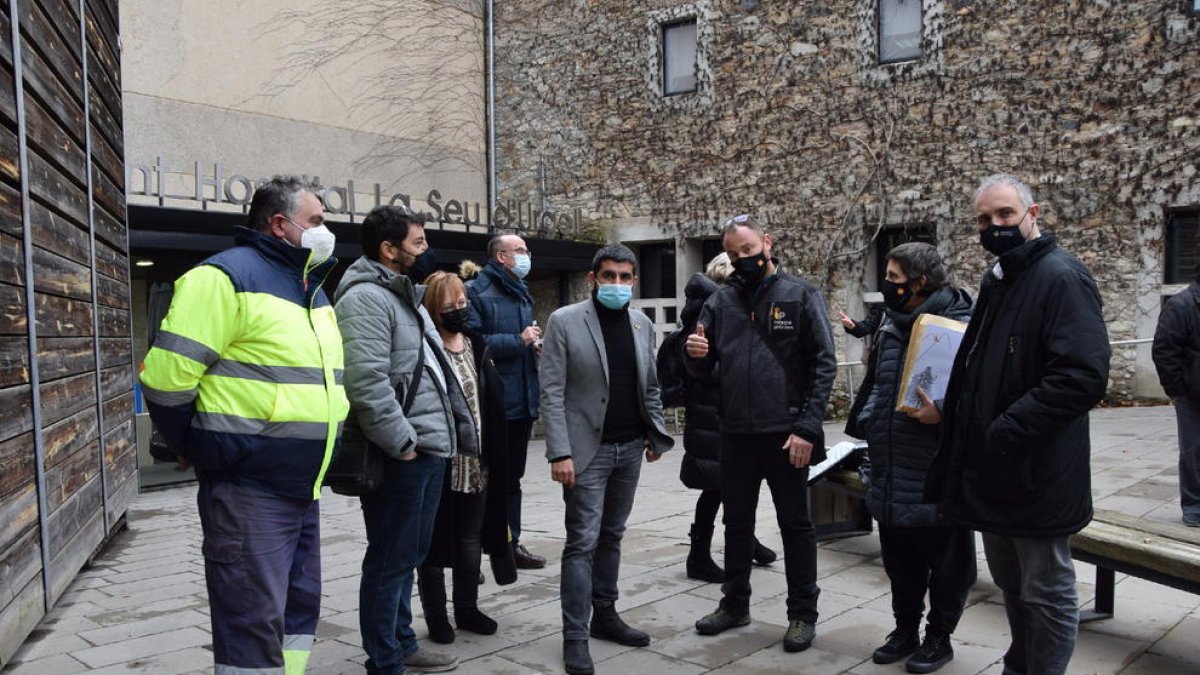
920, 553
701, 468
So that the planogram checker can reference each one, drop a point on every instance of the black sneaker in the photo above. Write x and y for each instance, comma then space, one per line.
799, 636
900, 643
933, 653
721, 621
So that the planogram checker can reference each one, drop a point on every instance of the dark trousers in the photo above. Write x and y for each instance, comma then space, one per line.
596, 511
518, 449
467, 554
938, 559
262, 567
1187, 419
706, 508
399, 519
747, 459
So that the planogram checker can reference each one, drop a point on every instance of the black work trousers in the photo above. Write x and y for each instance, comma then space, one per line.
940, 560
746, 460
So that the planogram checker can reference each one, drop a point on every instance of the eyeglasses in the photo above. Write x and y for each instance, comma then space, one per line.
518, 251
743, 219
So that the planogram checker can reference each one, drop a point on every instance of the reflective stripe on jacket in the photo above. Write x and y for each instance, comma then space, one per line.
245, 376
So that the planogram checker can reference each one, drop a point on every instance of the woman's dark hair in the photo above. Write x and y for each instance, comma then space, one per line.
918, 259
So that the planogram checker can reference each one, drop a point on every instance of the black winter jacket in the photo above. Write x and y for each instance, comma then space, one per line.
701, 469
901, 448
1176, 350
1015, 453
775, 352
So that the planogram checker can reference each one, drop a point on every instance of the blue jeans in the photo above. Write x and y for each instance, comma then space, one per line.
596, 511
399, 519
1187, 418
1038, 580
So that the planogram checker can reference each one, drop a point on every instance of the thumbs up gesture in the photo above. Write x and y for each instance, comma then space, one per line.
697, 344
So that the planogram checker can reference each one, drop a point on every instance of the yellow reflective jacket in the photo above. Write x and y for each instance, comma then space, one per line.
245, 376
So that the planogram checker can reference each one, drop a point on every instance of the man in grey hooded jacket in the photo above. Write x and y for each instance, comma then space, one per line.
384, 329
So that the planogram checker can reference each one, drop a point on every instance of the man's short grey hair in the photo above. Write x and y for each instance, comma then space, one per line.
719, 268
281, 194
998, 179
618, 253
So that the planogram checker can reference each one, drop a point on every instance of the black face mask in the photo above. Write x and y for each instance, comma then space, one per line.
1000, 239
424, 265
895, 296
456, 320
751, 270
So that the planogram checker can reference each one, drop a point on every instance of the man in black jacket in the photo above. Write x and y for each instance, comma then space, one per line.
1014, 460
1176, 354
769, 333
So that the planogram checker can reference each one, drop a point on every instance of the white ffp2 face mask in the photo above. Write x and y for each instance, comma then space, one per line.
319, 240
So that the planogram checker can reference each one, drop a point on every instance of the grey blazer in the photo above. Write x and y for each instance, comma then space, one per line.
574, 378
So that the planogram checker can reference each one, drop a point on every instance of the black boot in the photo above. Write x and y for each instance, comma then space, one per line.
762, 554
576, 658
431, 586
899, 644
475, 621
700, 565
608, 625
935, 651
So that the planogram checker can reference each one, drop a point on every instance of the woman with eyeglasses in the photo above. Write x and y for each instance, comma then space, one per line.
472, 516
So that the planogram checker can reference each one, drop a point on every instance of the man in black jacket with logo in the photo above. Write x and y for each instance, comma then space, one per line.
1014, 459
769, 333
1176, 356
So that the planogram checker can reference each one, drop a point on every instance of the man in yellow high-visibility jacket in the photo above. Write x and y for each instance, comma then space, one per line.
244, 382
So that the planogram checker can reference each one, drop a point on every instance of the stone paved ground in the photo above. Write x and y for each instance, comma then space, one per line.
141, 607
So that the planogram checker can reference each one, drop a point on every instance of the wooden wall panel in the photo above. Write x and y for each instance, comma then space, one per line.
65, 483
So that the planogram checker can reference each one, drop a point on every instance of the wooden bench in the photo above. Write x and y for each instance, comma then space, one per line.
839, 508
1165, 553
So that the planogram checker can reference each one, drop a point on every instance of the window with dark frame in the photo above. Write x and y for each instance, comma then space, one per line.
679, 57
901, 24
656, 270
1182, 246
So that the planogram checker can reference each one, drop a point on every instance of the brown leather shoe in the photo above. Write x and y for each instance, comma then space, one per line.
526, 560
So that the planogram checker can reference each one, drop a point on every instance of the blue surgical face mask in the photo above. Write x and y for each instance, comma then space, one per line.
521, 264
614, 296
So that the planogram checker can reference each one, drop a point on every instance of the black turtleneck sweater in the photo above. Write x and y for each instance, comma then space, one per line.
623, 417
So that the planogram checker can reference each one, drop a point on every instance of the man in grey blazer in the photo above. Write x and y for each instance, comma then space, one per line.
601, 410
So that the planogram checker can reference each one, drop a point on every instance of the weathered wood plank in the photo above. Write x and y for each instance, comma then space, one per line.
65, 437
106, 193
6, 51
20, 561
49, 185
117, 411
113, 322
12, 260
116, 381
107, 159
102, 119
1164, 555
116, 351
98, 77
12, 310
65, 16
18, 412
8, 93
18, 513
16, 463
62, 317
110, 229
112, 261
103, 35
61, 53
42, 83
21, 616
47, 137
60, 357
55, 274
121, 496
65, 397
67, 521
112, 293
14, 360
68, 476
56, 233
1176, 531
120, 452
10, 210
73, 552
9, 151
